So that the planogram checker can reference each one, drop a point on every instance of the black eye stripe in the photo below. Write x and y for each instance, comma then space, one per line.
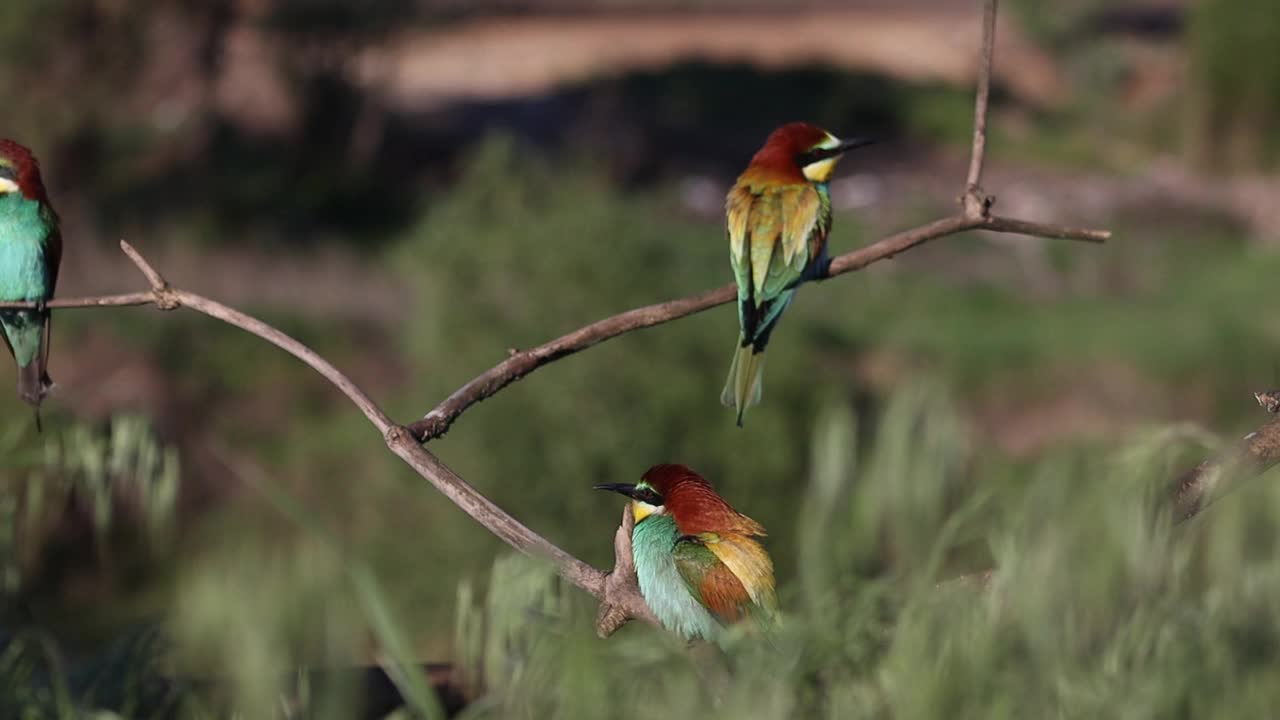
646, 495
7, 173
812, 156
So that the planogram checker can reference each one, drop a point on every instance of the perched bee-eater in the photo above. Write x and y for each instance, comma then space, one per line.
779, 214
30, 251
698, 566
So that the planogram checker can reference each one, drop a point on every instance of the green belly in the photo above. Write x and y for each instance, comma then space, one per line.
663, 589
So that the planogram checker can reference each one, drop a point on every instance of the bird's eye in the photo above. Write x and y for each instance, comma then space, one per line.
650, 497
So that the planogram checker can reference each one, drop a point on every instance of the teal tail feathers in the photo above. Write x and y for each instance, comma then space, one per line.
744, 385
33, 384
26, 334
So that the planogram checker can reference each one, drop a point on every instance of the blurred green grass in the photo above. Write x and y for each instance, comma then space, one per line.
523, 249
1100, 607
876, 460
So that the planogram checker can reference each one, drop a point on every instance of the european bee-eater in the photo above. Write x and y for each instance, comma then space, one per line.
698, 566
30, 251
779, 214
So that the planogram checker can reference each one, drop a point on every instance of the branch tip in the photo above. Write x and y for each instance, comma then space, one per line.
1269, 400
154, 278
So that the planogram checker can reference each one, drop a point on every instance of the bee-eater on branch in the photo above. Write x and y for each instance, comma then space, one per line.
698, 566
779, 215
30, 251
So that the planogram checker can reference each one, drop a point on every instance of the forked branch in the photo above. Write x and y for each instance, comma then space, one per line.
975, 214
617, 591
623, 595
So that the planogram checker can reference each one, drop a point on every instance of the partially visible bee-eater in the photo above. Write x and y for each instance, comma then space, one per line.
779, 215
30, 251
697, 562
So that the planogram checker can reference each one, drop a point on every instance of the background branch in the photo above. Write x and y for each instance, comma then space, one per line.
1197, 488
1256, 453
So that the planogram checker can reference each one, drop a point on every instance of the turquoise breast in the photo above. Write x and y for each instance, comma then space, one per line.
24, 232
663, 588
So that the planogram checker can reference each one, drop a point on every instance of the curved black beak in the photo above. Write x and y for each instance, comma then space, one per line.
851, 143
627, 489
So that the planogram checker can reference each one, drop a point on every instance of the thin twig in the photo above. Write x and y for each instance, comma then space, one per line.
157, 281
997, 223
252, 325
983, 97
95, 301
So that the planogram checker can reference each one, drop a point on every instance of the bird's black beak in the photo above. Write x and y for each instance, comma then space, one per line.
850, 144
627, 489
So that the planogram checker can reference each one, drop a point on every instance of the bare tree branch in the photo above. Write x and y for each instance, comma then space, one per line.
157, 282
975, 215
1269, 400
1197, 488
621, 595
982, 99
96, 301
618, 591
1256, 453
523, 362
622, 584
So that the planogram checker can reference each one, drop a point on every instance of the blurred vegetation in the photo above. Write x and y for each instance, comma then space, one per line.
891, 450
1100, 606
538, 247
109, 494
1066, 25
1235, 54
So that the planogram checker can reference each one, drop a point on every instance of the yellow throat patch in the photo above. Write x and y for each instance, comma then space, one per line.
642, 510
821, 170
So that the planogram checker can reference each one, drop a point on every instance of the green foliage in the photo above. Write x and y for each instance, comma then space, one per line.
1057, 26
121, 482
120, 479
18, 44
1100, 607
1236, 69
521, 250
866, 512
